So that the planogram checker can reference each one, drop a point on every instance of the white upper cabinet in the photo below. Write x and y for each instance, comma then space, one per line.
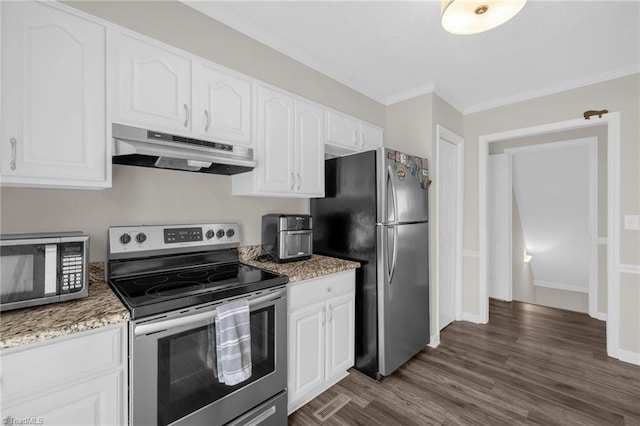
54, 131
223, 105
290, 148
275, 142
342, 130
309, 148
346, 134
154, 85
162, 88
371, 136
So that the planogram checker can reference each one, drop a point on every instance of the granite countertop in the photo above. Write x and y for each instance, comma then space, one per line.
30, 325
315, 267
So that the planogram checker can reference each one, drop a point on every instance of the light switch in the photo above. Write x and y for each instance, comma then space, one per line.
632, 222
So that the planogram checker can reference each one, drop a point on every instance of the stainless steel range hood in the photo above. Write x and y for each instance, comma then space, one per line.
147, 148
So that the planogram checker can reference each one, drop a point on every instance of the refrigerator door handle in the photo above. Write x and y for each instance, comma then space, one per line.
393, 194
395, 254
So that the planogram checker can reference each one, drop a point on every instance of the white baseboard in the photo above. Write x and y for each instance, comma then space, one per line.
434, 342
600, 316
475, 318
629, 356
560, 286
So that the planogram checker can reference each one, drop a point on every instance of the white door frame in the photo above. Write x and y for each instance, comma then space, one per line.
442, 133
591, 143
612, 121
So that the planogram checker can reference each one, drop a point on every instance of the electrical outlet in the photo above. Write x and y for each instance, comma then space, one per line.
632, 222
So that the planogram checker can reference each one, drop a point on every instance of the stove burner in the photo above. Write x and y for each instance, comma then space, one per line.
152, 280
174, 289
193, 274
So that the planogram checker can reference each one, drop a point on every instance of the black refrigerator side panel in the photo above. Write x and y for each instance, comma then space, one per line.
344, 226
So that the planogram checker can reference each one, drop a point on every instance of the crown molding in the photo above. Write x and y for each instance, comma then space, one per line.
448, 98
575, 84
410, 94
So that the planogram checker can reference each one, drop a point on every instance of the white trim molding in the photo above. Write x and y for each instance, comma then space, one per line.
612, 121
629, 269
603, 240
561, 286
600, 316
474, 318
629, 356
598, 78
442, 133
434, 341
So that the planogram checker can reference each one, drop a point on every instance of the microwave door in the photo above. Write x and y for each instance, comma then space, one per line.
28, 272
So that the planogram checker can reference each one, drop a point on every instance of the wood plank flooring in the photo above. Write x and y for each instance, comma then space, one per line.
531, 365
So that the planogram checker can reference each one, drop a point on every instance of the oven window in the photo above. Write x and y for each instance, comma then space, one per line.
186, 379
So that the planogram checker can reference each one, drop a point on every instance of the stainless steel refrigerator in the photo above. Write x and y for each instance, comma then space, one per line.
375, 212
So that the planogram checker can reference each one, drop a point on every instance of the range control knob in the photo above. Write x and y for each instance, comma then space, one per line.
141, 238
209, 234
125, 238
220, 233
230, 232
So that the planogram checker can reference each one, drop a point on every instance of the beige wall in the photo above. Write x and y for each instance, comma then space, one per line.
139, 196
183, 27
618, 95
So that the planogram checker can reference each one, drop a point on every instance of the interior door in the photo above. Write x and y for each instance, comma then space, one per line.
498, 217
447, 230
405, 304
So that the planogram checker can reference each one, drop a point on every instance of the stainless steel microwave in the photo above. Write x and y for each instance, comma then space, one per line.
36, 269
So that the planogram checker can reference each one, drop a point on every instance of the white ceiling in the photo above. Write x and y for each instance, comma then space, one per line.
395, 50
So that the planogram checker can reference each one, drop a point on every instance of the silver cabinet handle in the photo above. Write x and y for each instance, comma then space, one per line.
206, 114
355, 138
293, 181
299, 181
12, 164
186, 115
330, 313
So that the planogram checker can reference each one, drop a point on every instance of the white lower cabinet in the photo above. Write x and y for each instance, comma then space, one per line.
321, 335
74, 380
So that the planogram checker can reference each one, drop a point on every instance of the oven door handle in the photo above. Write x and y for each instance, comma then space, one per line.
142, 329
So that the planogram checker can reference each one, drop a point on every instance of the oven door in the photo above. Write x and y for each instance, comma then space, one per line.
171, 378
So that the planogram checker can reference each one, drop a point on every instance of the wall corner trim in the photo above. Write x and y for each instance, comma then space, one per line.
629, 356
474, 318
434, 341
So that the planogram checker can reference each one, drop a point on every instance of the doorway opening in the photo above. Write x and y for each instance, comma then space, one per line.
612, 123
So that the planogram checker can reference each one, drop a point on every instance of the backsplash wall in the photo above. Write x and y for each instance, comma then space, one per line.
139, 196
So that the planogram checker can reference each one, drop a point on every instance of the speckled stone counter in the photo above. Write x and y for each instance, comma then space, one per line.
30, 325
315, 267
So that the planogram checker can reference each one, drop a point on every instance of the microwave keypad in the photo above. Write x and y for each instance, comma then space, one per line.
72, 272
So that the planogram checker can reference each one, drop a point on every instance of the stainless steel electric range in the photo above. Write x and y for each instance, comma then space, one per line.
172, 279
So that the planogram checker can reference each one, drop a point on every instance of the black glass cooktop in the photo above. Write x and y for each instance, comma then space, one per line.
154, 293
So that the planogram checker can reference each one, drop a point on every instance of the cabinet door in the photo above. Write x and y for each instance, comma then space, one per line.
310, 149
223, 105
276, 142
340, 335
154, 85
371, 136
342, 130
306, 351
92, 402
53, 100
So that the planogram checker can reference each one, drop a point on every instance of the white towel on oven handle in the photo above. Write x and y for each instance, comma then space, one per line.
233, 342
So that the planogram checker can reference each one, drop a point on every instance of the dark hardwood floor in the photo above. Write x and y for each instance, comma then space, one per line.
531, 365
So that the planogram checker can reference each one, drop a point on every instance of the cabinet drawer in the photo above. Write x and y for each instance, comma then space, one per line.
57, 362
319, 289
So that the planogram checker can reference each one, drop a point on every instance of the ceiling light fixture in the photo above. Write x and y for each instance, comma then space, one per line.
476, 16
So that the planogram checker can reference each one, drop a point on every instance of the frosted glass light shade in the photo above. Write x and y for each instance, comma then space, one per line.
476, 16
